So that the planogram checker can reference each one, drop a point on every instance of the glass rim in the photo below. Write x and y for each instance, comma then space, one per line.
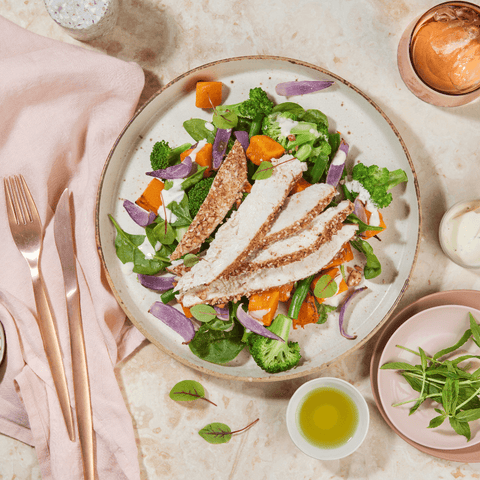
415, 30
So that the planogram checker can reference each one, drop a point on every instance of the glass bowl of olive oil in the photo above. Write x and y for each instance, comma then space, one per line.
327, 418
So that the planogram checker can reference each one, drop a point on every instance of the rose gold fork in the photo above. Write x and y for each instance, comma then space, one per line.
27, 234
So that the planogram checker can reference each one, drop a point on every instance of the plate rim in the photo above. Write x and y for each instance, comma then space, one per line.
412, 319
267, 378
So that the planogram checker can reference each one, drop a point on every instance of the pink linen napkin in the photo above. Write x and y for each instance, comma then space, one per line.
61, 109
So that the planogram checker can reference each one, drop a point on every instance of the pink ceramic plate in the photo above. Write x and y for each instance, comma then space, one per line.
431, 329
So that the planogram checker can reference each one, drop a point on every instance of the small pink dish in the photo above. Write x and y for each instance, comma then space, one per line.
432, 329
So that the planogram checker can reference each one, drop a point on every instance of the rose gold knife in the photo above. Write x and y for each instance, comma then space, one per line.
65, 247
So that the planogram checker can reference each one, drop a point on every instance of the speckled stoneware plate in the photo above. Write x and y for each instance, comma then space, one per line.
467, 298
432, 329
373, 139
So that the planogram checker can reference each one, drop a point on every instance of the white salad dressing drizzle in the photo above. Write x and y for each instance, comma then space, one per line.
462, 237
147, 249
364, 196
286, 125
339, 159
174, 194
193, 154
209, 126
127, 268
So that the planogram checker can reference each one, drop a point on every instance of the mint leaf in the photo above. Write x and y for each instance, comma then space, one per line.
436, 421
462, 428
401, 366
468, 415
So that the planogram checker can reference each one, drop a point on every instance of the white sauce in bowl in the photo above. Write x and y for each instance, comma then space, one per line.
460, 234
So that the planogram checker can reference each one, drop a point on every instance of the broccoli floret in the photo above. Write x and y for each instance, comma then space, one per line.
163, 156
274, 356
198, 194
305, 132
258, 103
377, 181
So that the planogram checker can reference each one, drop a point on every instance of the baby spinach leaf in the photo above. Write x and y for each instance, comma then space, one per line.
187, 391
290, 107
334, 140
362, 226
196, 128
314, 116
182, 212
373, 267
126, 247
125, 243
217, 346
264, 171
323, 311
203, 313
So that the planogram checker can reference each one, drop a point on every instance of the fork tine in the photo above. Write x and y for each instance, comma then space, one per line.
8, 197
11, 194
27, 199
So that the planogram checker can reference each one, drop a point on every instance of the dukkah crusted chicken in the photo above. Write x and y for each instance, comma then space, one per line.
246, 228
226, 188
246, 284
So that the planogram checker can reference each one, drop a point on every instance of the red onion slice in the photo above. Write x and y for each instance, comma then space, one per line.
138, 214
248, 322
181, 170
338, 164
160, 284
289, 89
242, 137
220, 146
342, 313
222, 313
360, 210
174, 319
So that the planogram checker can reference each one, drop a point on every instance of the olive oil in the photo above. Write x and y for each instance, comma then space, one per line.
327, 417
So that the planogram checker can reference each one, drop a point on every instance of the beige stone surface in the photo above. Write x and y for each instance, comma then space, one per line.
356, 40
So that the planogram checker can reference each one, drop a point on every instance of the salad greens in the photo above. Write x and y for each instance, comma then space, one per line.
446, 382
305, 135
187, 391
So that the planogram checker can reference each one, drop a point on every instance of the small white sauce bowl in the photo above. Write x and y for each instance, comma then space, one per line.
328, 453
447, 236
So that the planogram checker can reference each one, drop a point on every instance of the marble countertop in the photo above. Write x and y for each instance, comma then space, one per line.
356, 40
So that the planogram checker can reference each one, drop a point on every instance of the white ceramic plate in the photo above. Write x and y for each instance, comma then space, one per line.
433, 329
373, 140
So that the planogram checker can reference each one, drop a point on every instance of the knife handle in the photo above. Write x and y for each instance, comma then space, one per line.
52, 350
81, 385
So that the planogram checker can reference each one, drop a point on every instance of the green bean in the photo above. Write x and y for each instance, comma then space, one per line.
256, 126
299, 296
167, 296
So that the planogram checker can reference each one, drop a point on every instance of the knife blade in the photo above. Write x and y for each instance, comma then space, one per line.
65, 246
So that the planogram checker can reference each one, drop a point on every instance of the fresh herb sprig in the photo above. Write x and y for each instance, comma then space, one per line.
454, 388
